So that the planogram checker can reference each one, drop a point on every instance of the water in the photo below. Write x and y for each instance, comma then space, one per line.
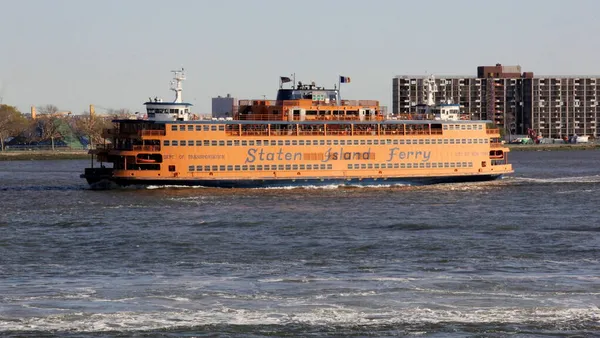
515, 256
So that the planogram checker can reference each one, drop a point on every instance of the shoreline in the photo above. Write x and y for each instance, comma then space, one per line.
43, 155
553, 147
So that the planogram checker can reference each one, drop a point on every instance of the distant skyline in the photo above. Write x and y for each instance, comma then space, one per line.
116, 54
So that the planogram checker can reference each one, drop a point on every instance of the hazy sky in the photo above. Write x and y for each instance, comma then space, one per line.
117, 53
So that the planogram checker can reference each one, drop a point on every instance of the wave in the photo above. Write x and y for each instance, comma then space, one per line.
558, 180
309, 316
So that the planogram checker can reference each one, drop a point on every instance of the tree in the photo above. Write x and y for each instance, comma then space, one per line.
91, 126
12, 123
49, 123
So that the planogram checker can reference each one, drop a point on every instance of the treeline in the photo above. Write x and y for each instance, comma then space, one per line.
50, 125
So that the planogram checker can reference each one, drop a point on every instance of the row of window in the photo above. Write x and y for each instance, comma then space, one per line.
261, 167
206, 143
463, 127
411, 165
191, 127
282, 167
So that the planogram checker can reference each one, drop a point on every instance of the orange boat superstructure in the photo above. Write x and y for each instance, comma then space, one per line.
307, 136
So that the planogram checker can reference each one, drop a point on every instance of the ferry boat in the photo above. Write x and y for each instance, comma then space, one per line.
308, 135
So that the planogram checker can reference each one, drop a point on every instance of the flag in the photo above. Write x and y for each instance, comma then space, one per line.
285, 79
344, 79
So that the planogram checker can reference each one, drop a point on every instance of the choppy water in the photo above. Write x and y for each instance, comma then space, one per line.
516, 256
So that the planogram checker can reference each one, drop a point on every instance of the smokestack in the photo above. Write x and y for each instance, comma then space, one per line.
33, 114
92, 111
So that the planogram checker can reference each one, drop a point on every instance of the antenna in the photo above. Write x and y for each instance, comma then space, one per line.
178, 77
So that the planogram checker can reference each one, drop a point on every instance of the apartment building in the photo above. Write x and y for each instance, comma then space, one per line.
516, 101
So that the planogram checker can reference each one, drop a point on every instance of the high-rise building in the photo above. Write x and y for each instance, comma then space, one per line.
223, 107
518, 102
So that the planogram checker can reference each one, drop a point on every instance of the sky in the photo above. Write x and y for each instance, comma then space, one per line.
117, 53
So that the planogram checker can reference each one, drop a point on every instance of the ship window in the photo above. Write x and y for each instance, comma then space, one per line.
237, 168
402, 165
401, 141
287, 142
329, 166
485, 140
445, 141
190, 128
463, 127
421, 165
198, 128
409, 165
174, 143
221, 128
470, 164
434, 165
356, 166
198, 168
166, 142
328, 142
440, 141
229, 143
363, 166
428, 165
395, 142
458, 164
294, 167
198, 143
181, 127
446, 164
206, 168
205, 128
213, 143
229, 168
221, 143
302, 167
396, 165
288, 167
215, 168
376, 165
451, 141
280, 142
445, 127
174, 128
469, 141
213, 128
236, 143
280, 167
171, 168
469, 127
322, 142
191, 168
464, 141
335, 142
376, 142
221, 168
258, 142
309, 167
370, 165
427, 141
349, 166
421, 141
452, 164
464, 164
244, 143
301, 142
206, 143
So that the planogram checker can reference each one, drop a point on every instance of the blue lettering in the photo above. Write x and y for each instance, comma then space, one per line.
250, 158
